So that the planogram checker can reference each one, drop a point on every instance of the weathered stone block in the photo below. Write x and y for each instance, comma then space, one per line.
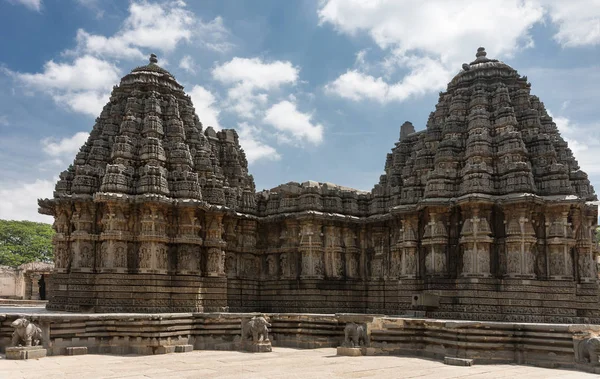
349, 351
257, 347
184, 348
164, 349
452, 361
25, 352
79, 350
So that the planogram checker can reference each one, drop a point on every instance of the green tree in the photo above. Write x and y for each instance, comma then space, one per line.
24, 242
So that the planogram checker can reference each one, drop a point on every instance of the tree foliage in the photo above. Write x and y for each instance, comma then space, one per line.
24, 242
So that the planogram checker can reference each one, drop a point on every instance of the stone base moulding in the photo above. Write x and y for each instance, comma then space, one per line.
349, 351
570, 346
453, 361
25, 352
184, 348
259, 347
80, 350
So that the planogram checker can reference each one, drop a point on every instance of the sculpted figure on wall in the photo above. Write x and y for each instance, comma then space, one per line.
256, 329
26, 333
588, 351
355, 335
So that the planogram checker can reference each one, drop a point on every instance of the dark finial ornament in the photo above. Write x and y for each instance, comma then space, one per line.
153, 58
481, 52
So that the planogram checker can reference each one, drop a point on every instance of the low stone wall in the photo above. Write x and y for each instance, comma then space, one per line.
548, 345
506, 300
22, 303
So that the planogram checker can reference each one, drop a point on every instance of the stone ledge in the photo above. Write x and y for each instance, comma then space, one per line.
184, 348
258, 347
453, 361
25, 352
349, 351
80, 350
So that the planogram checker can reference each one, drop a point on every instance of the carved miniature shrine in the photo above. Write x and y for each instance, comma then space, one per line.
486, 207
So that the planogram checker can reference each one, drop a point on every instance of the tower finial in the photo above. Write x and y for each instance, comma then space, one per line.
153, 58
481, 52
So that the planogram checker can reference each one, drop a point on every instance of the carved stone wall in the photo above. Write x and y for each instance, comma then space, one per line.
486, 206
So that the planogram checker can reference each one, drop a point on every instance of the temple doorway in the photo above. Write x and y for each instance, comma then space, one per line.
42, 287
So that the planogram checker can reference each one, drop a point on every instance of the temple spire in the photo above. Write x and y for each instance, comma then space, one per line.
153, 58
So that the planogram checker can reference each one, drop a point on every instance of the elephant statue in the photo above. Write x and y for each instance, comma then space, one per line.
256, 329
588, 350
26, 333
355, 335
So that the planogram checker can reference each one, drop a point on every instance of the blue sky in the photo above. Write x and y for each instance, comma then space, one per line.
316, 89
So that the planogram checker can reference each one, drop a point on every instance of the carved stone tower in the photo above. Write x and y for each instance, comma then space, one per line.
486, 206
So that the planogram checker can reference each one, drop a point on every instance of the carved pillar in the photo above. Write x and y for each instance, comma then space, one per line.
272, 266
188, 242
351, 252
476, 241
61, 239
395, 257
585, 246
35, 287
409, 262
334, 264
153, 238
380, 245
311, 249
114, 238
288, 256
215, 256
519, 255
560, 243
83, 239
435, 242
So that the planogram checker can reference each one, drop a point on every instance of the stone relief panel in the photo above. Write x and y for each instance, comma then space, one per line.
188, 259
521, 244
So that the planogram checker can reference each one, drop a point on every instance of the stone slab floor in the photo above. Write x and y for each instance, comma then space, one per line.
281, 363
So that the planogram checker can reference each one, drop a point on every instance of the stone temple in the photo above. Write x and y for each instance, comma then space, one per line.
486, 208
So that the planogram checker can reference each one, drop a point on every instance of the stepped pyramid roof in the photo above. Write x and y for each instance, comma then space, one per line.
488, 135
149, 142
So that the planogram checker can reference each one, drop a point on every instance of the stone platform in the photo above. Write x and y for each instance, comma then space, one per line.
546, 345
282, 363
260, 347
25, 352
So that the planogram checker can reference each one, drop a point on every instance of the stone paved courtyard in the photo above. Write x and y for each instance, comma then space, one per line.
281, 363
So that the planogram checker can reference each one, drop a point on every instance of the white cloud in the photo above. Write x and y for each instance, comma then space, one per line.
187, 63
250, 80
425, 75
583, 140
294, 125
355, 85
105, 46
214, 35
86, 102
254, 148
85, 73
65, 146
23, 200
83, 86
154, 26
34, 5
446, 29
255, 73
578, 21
433, 37
204, 101
92, 5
